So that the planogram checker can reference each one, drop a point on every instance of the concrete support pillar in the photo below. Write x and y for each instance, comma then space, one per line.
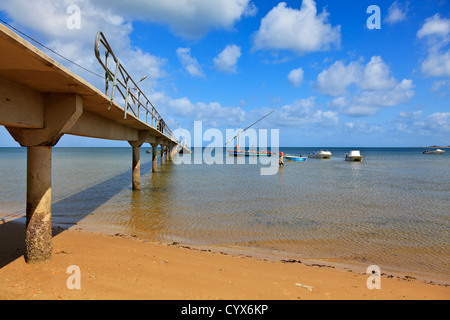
136, 159
154, 157
173, 151
163, 149
169, 153
136, 166
39, 215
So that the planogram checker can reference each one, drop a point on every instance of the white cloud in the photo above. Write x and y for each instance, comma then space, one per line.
441, 87
416, 122
437, 64
396, 13
367, 103
360, 90
300, 31
335, 80
251, 10
361, 127
212, 114
49, 18
187, 18
436, 34
303, 112
141, 63
439, 121
435, 26
295, 77
376, 75
190, 63
226, 61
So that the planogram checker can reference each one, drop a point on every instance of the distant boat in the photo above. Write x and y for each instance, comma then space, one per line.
320, 154
295, 158
249, 153
354, 155
436, 151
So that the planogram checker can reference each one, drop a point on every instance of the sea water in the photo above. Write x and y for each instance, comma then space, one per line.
392, 209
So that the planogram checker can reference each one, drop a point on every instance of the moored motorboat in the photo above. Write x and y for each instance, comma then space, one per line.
353, 155
436, 151
294, 158
322, 154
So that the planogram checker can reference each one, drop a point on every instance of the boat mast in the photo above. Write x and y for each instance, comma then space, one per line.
242, 131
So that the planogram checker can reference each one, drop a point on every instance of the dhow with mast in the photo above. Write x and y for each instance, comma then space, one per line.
247, 153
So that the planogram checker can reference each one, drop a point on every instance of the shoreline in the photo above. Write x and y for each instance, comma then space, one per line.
127, 267
339, 263
358, 265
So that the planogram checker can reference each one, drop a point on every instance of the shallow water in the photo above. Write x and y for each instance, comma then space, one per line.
393, 209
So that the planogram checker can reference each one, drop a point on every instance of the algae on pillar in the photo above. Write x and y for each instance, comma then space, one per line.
38, 239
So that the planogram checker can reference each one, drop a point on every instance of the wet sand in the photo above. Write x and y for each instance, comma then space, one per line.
119, 267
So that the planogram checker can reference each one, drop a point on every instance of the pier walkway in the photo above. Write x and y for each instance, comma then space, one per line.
40, 101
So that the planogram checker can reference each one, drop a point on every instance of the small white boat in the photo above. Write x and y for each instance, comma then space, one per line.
320, 154
353, 155
437, 151
295, 158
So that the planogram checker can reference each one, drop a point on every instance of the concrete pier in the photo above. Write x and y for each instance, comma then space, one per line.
40, 101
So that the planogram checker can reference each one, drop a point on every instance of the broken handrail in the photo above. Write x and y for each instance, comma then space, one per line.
127, 88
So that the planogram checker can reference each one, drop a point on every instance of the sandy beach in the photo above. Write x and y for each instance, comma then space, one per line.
119, 267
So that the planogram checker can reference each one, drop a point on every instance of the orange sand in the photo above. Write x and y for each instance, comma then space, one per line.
114, 267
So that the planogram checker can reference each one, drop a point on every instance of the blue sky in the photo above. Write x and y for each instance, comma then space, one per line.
331, 80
